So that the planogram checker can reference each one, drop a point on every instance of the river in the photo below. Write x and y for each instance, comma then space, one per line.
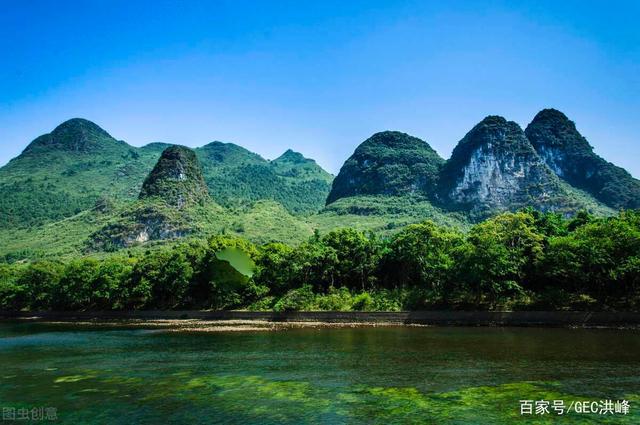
386, 375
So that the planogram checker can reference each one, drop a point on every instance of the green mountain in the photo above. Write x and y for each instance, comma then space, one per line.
295, 166
79, 190
176, 179
236, 176
171, 201
175, 202
494, 168
571, 157
66, 171
384, 214
388, 163
79, 166
76, 135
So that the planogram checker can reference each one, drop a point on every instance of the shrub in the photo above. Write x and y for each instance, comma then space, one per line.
296, 299
363, 302
335, 300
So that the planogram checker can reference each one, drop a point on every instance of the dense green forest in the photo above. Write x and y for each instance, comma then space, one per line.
90, 223
522, 260
65, 172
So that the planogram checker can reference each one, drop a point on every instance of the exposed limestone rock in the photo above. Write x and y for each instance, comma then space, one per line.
138, 225
494, 168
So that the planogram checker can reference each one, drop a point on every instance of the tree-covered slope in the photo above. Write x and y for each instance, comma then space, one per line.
294, 166
172, 198
79, 190
383, 214
571, 157
388, 163
176, 179
64, 172
78, 164
175, 202
236, 176
494, 168
144, 224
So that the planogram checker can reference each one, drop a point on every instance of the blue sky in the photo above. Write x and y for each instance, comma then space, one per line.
318, 77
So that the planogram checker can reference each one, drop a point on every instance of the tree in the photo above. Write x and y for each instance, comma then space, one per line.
275, 268
76, 287
600, 258
352, 258
12, 295
223, 285
423, 255
549, 223
40, 280
580, 219
162, 279
314, 264
110, 286
499, 253
301, 298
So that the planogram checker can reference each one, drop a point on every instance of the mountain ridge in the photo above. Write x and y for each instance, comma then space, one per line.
66, 171
494, 167
101, 193
569, 154
76, 134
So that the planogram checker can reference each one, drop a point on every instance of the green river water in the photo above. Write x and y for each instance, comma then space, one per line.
366, 375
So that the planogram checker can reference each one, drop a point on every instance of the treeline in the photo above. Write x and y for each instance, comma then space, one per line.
523, 260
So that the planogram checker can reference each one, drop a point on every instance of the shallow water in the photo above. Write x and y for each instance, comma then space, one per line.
365, 375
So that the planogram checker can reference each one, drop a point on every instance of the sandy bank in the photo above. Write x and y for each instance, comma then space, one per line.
213, 321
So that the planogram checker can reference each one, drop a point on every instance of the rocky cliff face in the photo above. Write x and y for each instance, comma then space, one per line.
177, 179
170, 200
494, 167
388, 163
571, 157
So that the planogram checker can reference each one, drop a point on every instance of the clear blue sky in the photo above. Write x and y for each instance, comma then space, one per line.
318, 77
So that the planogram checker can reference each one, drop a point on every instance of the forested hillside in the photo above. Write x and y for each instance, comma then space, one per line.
523, 260
79, 164
79, 191
237, 177
389, 163
66, 171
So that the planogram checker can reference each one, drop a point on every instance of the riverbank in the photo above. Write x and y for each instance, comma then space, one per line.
258, 320
197, 325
